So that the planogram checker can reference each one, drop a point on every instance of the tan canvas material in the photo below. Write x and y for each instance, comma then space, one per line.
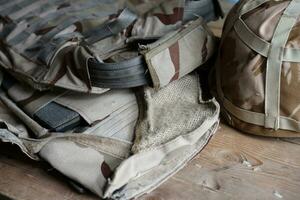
116, 157
257, 69
49, 44
174, 56
131, 140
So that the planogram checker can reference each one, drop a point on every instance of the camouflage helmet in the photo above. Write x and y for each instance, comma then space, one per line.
258, 67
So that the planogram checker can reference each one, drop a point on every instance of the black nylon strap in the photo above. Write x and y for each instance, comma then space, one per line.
56, 117
207, 9
125, 74
114, 27
133, 72
52, 116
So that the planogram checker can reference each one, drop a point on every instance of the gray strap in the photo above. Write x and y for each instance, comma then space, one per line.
111, 28
251, 39
207, 9
40, 22
134, 70
251, 5
108, 29
8, 5
47, 52
126, 74
16, 7
274, 64
48, 45
16, 30
88, 14
291, 55
245, 7
7, 30
47, 8
262, 46
244, 115
48, 114
27, 9
255, 118
57, 118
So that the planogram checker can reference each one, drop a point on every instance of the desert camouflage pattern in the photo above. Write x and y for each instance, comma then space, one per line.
122, 139
242, 69
113, 105
32, 33
87, 158
171, 58
40, 39
129, 143
98, 148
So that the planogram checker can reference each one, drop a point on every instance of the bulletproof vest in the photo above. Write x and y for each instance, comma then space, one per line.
106, 91
258, 68
89, 46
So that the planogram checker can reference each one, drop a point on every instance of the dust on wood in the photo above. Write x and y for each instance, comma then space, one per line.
23, 179
232, 166
237, 166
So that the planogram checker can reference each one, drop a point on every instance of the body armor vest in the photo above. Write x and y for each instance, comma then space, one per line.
105, 91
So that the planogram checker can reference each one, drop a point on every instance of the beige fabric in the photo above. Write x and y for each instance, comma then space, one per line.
101, 154
93, 107
172, 111
79, 163
159, 139
175, 160
179, 53
110, 112
119, 125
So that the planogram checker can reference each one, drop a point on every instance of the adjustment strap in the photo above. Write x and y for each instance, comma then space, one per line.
262, 46
126, 74
125, 19
274, 64
207, 9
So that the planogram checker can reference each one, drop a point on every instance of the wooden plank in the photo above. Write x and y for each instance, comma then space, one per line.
237, 166
292, 140
232, 166
23, 179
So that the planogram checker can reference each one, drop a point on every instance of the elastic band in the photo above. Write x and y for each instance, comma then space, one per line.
274, 64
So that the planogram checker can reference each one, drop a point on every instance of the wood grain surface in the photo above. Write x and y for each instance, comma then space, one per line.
232, 166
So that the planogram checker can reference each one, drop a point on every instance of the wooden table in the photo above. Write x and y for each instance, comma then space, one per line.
232, 166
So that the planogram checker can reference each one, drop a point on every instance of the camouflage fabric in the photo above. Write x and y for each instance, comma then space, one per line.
258, 68
103, 156
129, 142
173, 53
41, 42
